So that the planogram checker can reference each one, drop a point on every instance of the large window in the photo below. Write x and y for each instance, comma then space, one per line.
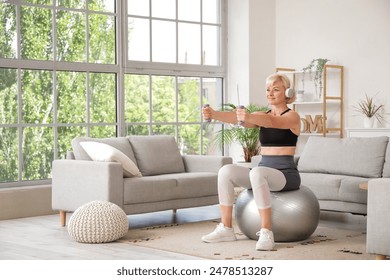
103, 68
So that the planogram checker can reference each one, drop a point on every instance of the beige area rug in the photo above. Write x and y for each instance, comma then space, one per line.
325, 243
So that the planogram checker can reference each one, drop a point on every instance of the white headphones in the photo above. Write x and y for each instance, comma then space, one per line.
289, 93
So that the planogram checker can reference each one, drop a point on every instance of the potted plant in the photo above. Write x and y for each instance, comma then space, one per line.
316, 66
247, 137
370, 111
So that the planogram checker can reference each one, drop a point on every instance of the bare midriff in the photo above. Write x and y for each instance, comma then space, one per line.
278, 151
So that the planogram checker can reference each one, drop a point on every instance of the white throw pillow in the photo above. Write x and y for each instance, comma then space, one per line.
103, 152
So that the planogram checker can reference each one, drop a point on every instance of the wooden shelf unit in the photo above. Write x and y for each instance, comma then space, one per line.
326, 98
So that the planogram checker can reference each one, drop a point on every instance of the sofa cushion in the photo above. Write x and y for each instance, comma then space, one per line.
355, 156
103, 152
169, 187
351, 192
331, 187
157, 154
324, 186
120, 143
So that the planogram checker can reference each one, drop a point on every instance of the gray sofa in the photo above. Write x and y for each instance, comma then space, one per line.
333, 169
169, 180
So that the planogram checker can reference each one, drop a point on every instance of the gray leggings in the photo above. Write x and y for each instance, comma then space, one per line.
274, 173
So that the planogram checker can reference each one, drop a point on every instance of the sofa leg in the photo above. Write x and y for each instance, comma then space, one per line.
380, 257
63, 218
174, 211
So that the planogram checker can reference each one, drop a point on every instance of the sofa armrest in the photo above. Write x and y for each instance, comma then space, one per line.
378, 219
200, 163
76, 182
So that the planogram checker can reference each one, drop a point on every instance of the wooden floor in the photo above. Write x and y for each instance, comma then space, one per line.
42, 238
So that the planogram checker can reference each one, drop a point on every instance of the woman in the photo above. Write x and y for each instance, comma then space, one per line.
277, 171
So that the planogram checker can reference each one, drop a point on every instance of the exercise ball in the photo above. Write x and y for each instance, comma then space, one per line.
294, 215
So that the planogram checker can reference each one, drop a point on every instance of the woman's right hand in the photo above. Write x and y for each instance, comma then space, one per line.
207, 112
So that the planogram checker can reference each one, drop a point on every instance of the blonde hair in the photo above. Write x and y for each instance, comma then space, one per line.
285, 81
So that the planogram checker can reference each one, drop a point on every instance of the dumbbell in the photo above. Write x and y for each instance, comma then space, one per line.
205, 106
240, 123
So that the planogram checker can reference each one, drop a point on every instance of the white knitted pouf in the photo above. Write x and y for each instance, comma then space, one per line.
98, 222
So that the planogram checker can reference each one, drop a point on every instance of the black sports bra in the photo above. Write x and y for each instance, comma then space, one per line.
277, 137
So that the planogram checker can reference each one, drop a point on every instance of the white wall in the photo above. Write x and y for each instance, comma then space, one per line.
262, 47
238, 51
251, 49
353, 33
251, 53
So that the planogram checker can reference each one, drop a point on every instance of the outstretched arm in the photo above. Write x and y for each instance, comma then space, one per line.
223, 116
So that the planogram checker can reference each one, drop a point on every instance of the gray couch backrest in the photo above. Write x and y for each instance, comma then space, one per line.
355, 156
157, 154
120, 143
153, 154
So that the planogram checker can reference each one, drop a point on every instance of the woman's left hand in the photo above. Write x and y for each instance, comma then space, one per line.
241, 115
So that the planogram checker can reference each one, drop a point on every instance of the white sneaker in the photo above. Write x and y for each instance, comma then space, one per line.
266, 240
220, 234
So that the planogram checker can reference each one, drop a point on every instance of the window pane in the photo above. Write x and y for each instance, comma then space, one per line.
138, 7
212, 91
189, 101
8, 96
137, 130
8, 154
189, 43
77, 4
211, 11
139, 39
71, 44
65, 136
103, 98
136, 98
211, 45
37, 96
163, 99
209, 146
38, 152
189, 139
36, 33
163, 41
101, 39
160, 129
71, 97
7, 31
189, 10
164, 9
102, 5
106, 131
